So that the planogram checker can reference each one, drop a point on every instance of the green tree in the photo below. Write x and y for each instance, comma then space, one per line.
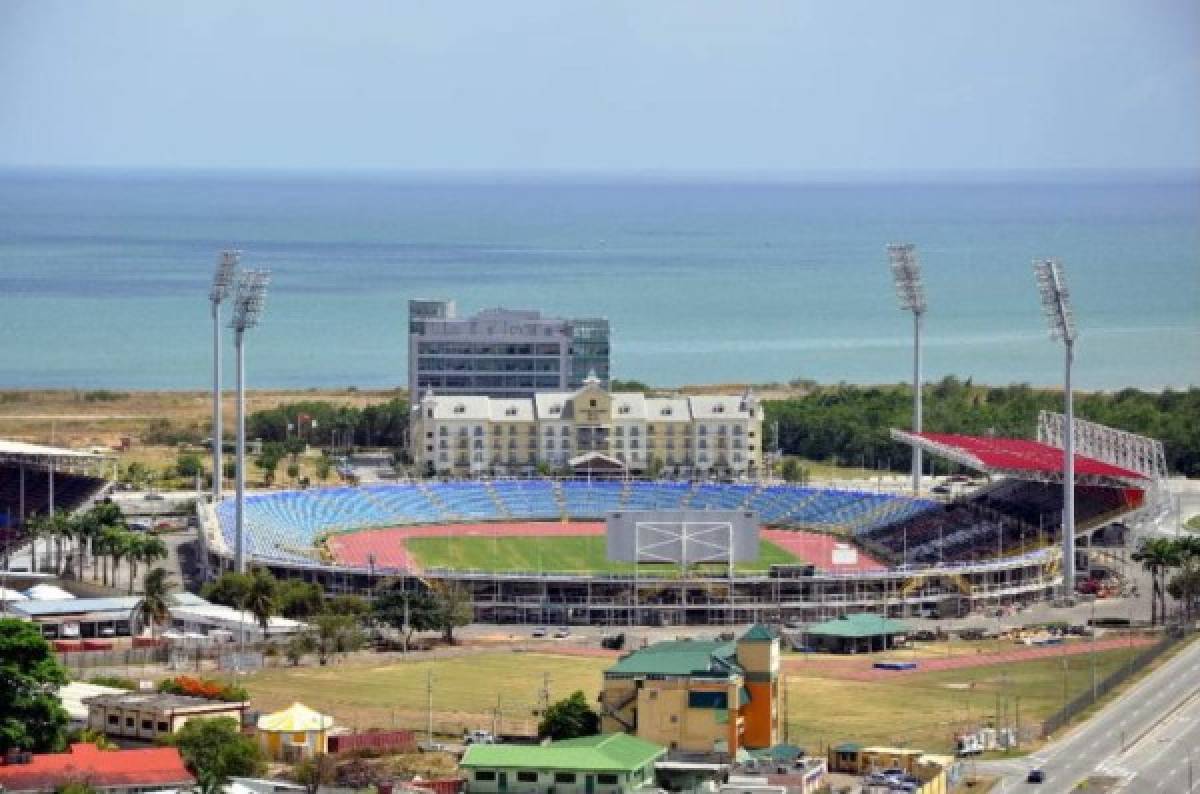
336, 634
215, 750
31, 716
312, 773
297, 599
189, 465
454, 609
324, 468
260, 598
298, 646
147, 549
76, 787
569, 718
293, 471
406, 612
154, 608
790, 470
1157, 556
230, 589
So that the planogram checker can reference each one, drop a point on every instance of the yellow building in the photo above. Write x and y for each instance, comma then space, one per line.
294, 733
696, 695
717, 435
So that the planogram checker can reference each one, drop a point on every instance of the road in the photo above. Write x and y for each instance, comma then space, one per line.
1142, 739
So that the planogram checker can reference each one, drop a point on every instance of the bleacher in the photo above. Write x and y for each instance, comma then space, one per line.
285, 525
71, 491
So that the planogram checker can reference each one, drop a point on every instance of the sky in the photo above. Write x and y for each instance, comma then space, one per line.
666, 86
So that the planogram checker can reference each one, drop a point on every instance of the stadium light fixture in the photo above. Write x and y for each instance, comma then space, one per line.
248, 301
1056, 305
906, 272
223, 278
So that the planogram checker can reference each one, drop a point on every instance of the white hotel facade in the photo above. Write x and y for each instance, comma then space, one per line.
622, 433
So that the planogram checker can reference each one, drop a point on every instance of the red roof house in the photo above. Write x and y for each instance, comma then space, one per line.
109, 771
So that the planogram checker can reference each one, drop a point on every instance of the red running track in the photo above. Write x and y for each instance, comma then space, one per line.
388, 545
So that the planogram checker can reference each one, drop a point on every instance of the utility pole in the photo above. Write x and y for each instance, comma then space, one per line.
496, 718
429, 707
544, 695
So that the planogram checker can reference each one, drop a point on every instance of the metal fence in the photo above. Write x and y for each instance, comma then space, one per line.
1088, 698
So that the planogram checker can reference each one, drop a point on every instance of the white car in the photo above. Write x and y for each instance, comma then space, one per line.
539, 633
479, 737
561, 633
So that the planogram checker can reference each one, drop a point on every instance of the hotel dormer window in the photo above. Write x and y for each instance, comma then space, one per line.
460, 408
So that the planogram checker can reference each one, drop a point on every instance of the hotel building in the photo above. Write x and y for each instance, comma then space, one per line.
617, 433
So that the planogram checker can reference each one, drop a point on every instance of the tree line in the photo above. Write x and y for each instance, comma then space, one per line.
328, 424
849, 424
1174, 568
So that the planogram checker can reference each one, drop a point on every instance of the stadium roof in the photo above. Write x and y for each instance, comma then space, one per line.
17, 450
1018, 457
614, 752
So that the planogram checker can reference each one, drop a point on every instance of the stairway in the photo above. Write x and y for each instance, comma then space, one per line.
613, 710
436, 501
561, 500
501, 507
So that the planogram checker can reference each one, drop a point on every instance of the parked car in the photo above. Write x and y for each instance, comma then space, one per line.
561, 633
539, 633
1036, 775
479, 737
431, 747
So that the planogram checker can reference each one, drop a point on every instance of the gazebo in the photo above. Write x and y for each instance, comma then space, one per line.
294, 733
859, 633
596, 465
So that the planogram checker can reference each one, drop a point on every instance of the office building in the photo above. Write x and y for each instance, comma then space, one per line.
501, 352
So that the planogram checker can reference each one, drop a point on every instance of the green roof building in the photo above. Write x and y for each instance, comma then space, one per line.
607, 764
859, 633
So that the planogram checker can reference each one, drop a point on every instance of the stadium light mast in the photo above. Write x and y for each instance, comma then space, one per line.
248, 300
223, 279
1056, 305
906, 271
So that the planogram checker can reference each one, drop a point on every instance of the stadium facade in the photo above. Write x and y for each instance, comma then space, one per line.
501, 352
699, 435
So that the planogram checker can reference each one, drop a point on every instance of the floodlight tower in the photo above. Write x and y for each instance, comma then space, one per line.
248, 302
223, 279
1056, 304
906, 271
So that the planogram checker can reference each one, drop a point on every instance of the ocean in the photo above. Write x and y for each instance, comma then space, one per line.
105, 276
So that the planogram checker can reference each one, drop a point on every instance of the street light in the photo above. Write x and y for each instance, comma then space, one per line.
1056, 305
248, 302
223, 279
906, 271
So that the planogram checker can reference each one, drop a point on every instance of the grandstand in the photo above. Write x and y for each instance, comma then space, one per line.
290, 532
35, 480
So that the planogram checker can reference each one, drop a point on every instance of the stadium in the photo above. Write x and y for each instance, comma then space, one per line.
534, 550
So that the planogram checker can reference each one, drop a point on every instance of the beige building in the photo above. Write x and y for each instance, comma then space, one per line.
718, 436
149, 715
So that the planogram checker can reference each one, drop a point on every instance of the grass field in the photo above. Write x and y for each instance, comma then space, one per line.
559, 553
920, 710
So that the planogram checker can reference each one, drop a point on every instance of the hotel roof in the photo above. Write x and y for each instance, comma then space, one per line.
614, 752
143, 767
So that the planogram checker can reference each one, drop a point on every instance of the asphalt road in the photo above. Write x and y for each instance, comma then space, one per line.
1141, 739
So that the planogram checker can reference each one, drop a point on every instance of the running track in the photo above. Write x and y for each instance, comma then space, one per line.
388, 545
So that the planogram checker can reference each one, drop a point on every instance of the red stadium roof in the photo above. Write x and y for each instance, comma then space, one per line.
1017, 457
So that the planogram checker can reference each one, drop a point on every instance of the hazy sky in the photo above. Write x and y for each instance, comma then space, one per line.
609, 86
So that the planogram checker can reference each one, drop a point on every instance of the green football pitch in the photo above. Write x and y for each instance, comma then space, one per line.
584, 553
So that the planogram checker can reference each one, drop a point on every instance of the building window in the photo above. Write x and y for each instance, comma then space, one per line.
163, 727
606, 779
510, 411
718, 409
113, 719
524, 776
484, 775
633, 431
702, 430
591, 403
460, 409
564, 777
129, 722
442, 431
147, 725
618, 431
623, 409
566, 431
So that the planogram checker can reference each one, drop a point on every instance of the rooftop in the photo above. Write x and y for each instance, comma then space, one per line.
153, 766
679, 658
614, 752
158, 702
863, 624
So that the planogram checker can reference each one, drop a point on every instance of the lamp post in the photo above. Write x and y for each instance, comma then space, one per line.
248, 301
1056, 305
906, 271
223, 279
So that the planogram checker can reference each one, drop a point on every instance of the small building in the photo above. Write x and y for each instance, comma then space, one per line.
709, 697
613, 763
111, 771
149, 715
79, 618
74, 696
854, 759
294, 733
859, 633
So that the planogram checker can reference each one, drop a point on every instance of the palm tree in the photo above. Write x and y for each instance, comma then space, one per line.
1157, 556
144, 548
154, 606
260, 598
59, 528
36, 527
115, 542
1187, 549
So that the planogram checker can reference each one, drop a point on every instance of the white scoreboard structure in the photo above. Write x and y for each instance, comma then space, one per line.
683, 537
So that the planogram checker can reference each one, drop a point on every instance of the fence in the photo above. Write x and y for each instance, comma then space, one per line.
124, 657
1086, 700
